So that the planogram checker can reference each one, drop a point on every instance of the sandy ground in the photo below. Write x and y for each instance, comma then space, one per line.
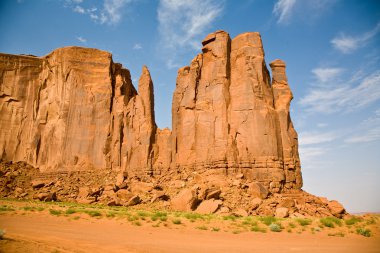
37, 232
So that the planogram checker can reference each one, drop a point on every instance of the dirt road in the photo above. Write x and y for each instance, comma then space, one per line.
36, 232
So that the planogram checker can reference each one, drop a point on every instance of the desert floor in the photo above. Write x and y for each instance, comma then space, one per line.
32, 228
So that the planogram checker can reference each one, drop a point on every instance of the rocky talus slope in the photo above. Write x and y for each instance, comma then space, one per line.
73, 127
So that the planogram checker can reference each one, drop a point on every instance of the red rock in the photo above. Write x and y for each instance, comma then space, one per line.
186, 200
336, 208
282, 212
257, 190
209, 206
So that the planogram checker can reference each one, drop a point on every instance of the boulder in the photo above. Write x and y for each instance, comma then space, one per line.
37, 184
258, 190
213, 194
47, 196
282, 212
336, 208
255, 203
132, 201
208, 206
185, 200
240, 213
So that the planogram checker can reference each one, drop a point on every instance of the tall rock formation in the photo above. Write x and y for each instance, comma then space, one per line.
75, 109
228, 116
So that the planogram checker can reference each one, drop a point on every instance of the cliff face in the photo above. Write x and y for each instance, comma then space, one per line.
228, 116
75, 109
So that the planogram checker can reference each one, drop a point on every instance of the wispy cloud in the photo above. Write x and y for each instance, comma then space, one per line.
324, 75
369, 130
83, 40
347, 44
109, 13
137, 46
79, 9
309, 138
182, 22
283, 10
355, 93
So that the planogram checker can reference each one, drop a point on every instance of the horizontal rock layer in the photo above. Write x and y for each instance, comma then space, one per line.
75, 109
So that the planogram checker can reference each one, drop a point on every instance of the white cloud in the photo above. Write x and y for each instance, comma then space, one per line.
283, 9
308, 153
110, 13
79, 9
369, 130
83, 40
324, 75
347, 44
182, 22
309, 138
322, 125
137, 46
346, 97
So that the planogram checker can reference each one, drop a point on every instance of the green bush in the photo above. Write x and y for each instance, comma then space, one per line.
5, 208
303, 222
364, 232
176, 221
274, 227
330, 222
55, 212
71, 211
256, 228
267, 220
93, 213
353, 220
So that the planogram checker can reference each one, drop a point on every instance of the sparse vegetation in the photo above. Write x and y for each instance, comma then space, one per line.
330, 222
215, 229
364, 232
338, 234
256, 228
177, 221
353, 220
202, 228
274, 227
55, 212
267, 220
93, 213
5, 208
303, 222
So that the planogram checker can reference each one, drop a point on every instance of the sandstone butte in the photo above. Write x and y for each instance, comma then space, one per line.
90, 136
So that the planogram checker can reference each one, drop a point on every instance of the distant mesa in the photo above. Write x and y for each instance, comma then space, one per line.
76, 112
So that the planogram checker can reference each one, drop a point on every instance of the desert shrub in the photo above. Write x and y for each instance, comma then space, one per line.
256, 228
202, 228
330, 222
70, 211
353, 220
176, 221
364, 232
303, 222
159, 215
111, 214
214, 229
132, 218
292, 225
55, 212
338, 234
5, 208
267, 220
29, 208
93, 213
229, 217
142, 214
236, 232
137, 223
274, 227
193, 216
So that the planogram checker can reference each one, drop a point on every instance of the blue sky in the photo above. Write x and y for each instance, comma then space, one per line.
331, 47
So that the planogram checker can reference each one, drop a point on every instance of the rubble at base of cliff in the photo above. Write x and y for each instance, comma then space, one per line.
232, 196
